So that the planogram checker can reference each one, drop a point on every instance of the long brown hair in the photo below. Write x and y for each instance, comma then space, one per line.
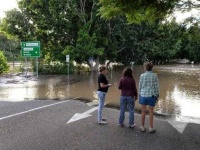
128, 72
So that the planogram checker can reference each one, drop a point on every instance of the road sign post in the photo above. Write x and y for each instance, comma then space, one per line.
31, 49
67, 60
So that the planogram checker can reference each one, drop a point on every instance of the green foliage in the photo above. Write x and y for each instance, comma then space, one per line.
155, 42
137, 11
86, 46
18, 25
10, 46
74, 28
54, 68
56, 25
3, 63
192, 43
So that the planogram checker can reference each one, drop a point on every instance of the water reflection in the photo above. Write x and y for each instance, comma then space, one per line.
180, 92
179, 89
189, 105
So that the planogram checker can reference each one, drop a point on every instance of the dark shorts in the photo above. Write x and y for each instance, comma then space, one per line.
151, 101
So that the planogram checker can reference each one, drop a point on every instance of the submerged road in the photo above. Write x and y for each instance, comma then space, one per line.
72, 125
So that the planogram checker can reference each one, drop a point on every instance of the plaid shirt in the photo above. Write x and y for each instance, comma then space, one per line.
148, 84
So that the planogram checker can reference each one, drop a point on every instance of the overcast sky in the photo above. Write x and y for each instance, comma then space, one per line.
6, 5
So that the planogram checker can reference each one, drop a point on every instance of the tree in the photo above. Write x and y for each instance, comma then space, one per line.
3, 40
3, 63
73, 27
85, 49
191, 44
137, 11
85, 46
9, 45
59, 26
17, 24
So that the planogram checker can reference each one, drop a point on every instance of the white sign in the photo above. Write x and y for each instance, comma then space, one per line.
67, 58
32, 44
28, 49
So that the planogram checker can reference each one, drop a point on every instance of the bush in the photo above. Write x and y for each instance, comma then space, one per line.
3, 63
9, 56
54, 68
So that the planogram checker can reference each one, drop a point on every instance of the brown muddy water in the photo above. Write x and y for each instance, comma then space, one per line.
179, 89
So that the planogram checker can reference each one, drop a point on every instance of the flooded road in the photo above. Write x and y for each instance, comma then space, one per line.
179, 89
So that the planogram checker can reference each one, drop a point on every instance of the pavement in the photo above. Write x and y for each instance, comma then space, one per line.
72, 125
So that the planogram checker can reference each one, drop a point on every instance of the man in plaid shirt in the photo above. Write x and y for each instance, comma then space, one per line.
149, 93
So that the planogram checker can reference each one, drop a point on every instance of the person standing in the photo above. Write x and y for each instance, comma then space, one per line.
102, 90
149, 93
128, 96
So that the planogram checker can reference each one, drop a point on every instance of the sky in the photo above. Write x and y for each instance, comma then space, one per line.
6, 5
181, 16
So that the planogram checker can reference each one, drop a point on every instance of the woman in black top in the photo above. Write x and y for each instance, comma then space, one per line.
102, 90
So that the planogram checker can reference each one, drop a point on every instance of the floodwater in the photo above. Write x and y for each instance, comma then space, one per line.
179, 89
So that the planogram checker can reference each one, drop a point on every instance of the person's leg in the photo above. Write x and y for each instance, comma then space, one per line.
151, 103
131, 106
151, 116
101, 97
143, 102
143, 114
142, 128
122, 110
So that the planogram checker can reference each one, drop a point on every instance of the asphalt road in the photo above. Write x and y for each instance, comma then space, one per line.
48, 125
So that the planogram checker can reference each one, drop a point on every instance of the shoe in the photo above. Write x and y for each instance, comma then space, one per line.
102, 123
121, 125
142, 129
132, 126
104, 119
152, 130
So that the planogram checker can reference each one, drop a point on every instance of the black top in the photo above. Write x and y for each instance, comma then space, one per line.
102, 79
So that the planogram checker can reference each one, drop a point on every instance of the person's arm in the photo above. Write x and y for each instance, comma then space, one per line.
120, 85
135, 90
103, 85
156, 87
140, 84
103, 82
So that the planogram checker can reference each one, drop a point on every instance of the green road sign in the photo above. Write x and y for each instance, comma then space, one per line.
30, 49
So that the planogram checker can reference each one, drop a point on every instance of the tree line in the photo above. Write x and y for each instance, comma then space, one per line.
99, 30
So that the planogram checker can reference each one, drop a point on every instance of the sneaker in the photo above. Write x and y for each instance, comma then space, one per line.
152, 130
142, 129
104, 119
102, 123
132, 126
121, 125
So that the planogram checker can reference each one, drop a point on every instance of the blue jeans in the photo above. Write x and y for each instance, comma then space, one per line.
101, 97
126, 102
